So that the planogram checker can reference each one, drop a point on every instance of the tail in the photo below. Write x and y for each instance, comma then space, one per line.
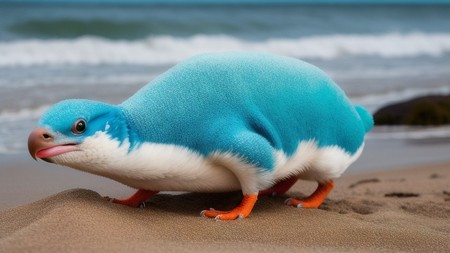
366, 117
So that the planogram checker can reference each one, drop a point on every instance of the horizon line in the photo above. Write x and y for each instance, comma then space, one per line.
231, 2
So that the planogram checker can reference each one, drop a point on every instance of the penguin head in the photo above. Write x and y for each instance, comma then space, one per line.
68, 124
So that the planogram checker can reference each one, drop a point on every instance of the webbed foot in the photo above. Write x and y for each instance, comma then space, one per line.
243, 210
136, 200
315, 200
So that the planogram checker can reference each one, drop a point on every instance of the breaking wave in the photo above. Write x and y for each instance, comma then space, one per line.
167, 50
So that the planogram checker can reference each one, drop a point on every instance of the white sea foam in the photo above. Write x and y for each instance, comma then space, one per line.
412, 133
23, 114
162, 50
16, 126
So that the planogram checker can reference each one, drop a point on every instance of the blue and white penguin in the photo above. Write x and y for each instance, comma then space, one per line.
216, 122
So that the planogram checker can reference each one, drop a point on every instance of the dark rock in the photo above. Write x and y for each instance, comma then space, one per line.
422, 111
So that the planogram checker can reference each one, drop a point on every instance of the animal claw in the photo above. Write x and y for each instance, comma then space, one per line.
217, 218
142, 205
240, 216
202, 213
288, 201
107, 198
293, 202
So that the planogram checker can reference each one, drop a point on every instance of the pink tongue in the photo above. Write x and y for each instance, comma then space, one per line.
54, 151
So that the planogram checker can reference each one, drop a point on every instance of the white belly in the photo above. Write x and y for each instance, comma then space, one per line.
163, 167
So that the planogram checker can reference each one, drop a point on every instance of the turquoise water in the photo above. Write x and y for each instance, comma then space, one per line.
378, 54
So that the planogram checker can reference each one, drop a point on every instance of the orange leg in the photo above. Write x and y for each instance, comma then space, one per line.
315, 200
243, 210
279, 188
135, 200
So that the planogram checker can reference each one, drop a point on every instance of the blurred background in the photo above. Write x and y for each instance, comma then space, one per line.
106, 50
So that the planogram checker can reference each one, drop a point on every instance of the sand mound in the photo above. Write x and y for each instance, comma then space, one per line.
357, 218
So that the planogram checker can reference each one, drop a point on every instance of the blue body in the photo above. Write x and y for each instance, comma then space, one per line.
249, 104
246, 103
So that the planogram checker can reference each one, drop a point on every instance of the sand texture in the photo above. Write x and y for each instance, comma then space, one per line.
397, 210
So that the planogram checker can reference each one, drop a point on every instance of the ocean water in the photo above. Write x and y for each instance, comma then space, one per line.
378, 54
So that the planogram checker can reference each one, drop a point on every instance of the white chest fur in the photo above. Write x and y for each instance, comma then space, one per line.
164, 167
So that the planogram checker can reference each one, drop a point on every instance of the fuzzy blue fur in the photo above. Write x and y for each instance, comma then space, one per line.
249, 104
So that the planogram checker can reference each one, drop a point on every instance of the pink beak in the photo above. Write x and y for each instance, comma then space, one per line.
41, 145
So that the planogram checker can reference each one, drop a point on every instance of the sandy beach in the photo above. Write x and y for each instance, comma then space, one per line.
394, 198
406, 209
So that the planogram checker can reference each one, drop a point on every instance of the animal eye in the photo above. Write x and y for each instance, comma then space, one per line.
79, 127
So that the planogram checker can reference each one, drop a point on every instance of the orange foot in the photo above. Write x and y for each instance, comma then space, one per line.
136, 200
243, 210
315, 200
279, 188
